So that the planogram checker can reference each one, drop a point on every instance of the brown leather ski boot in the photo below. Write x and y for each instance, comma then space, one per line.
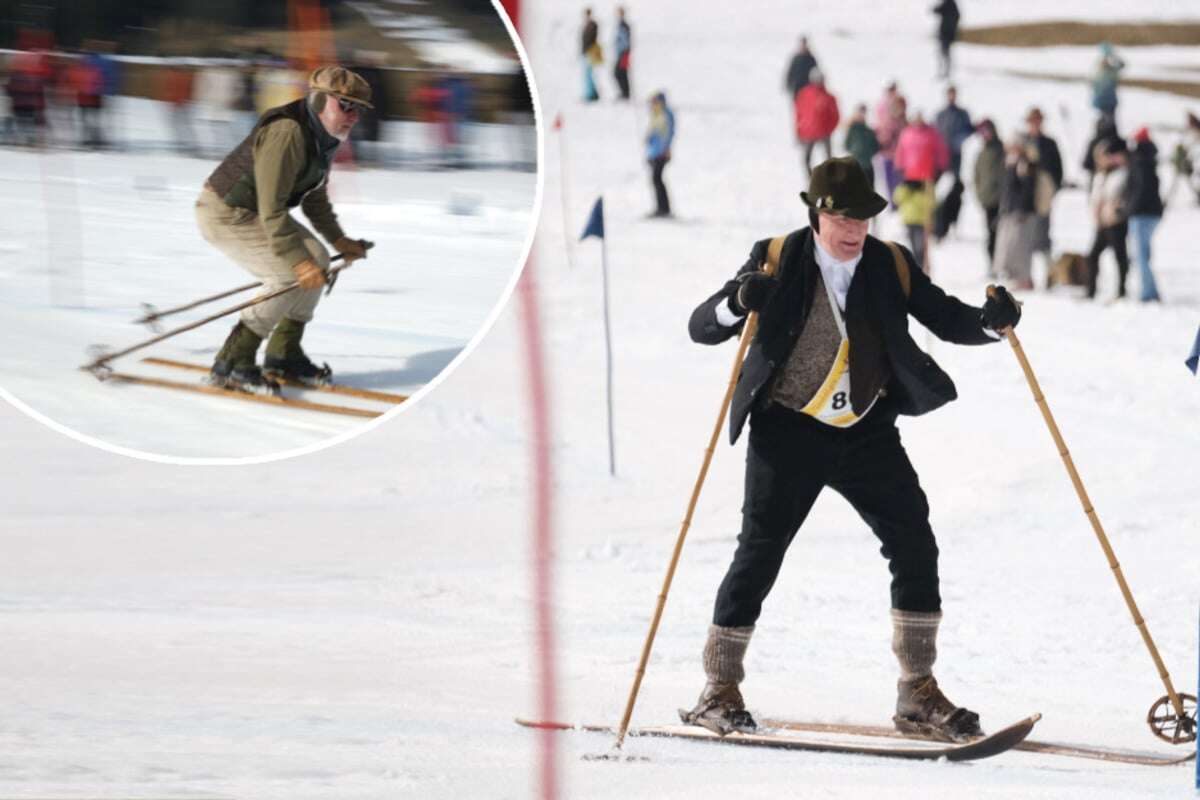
721, 709
922, 709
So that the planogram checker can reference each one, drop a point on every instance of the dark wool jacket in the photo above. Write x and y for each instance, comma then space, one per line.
882, 353
1142, 196
1018, 193
283, 163
1049, 158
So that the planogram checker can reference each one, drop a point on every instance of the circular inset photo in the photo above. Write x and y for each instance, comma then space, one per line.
246, 231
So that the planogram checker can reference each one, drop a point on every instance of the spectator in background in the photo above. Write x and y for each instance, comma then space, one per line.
1109, 214
429, 98
100, 57
216, 92
799, 68
243, 104
8, 126
591, 55
659, 138
1014, 230
460, 111
30, 72
891, 114
1106, 134
816, 117
175, 90
915, 200
989, 179
366, 135
954, 124
947, 11
85, 82
623, 48
1050, 163
1104, 82
1145, 206
278, 84
860, 141
520, 118
1186, 158
921, 153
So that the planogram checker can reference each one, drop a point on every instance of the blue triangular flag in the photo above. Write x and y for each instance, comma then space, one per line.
1194, 359
595, 223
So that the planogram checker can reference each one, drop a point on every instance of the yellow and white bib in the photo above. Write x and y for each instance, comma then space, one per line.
831, 403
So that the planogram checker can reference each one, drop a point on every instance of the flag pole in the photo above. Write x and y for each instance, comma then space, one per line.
563, 194
608, 362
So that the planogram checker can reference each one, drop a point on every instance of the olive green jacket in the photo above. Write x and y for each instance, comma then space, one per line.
283, 163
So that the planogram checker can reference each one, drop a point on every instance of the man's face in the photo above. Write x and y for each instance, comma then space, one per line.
842, 237
338, 117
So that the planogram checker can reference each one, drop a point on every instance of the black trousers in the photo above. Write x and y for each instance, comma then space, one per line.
790, 459
992, 215
1113, 236
622, 77
661, 199
809, 146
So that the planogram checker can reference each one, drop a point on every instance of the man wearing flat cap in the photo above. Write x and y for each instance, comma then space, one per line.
243, 211
831, 366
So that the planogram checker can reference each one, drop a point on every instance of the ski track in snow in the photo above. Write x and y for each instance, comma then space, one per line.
356, 623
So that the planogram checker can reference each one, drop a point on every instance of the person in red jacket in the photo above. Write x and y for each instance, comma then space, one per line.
816, 117
921, 152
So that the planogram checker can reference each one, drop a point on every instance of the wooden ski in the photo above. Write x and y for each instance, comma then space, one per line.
830, 742
1031, 746
203, 388
334, 388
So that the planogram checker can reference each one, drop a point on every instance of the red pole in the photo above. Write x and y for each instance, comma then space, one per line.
543, 511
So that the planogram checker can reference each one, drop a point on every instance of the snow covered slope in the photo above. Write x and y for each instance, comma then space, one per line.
355, 622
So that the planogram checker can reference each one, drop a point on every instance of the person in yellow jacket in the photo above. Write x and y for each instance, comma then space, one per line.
243, 211
915, 202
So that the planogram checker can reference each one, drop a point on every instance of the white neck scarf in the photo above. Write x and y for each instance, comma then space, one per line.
836, 274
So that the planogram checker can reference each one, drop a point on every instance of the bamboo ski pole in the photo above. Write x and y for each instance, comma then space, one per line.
747, 334
1090, 512
153, 315
98, 365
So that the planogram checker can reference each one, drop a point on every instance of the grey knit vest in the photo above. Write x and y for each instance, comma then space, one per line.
812, 356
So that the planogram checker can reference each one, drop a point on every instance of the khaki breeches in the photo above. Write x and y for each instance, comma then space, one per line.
236, 232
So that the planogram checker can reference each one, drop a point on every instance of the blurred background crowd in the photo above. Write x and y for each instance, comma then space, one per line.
448, 85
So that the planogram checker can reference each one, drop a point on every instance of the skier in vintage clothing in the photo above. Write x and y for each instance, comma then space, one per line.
831, 366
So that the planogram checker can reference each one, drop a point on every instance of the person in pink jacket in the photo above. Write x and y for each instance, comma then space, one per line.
921, 153
816, 117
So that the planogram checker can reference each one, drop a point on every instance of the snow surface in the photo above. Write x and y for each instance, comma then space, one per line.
355, 623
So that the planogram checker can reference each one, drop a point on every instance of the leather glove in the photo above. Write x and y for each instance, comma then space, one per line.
1001, 310
756, 291
309, 275
352, 249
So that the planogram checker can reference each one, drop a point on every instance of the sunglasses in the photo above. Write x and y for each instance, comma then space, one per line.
348, 106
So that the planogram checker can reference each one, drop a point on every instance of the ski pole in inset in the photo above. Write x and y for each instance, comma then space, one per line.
99, 365
1169, 718
747, 334
153, 315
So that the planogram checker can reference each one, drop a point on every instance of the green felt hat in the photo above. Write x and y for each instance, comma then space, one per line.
839, 186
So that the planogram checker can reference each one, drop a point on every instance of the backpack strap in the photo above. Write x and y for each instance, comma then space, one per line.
901, 268
774, 250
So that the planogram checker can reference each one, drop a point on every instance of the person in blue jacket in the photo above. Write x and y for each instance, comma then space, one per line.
658, 150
